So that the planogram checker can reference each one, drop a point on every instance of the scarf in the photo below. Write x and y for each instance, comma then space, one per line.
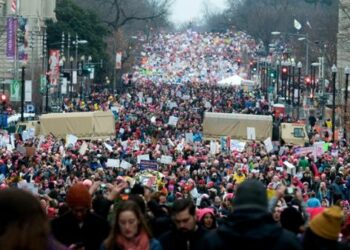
140, 242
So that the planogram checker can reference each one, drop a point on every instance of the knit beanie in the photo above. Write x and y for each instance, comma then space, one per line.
78, 196
251, 194
202, 212
328, 223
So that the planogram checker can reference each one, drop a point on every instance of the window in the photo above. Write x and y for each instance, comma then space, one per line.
299, 132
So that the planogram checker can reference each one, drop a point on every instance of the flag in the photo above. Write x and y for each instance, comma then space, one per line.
14, 6
308, 24
118, 60
297, 25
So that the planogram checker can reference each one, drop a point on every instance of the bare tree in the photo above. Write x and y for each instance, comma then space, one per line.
118, 13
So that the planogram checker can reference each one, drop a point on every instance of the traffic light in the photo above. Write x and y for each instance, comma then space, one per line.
253, 66
87, 69
3, 101
272, 74
3, 98
307, 80
284, 75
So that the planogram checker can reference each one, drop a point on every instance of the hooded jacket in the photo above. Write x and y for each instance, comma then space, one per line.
250, 229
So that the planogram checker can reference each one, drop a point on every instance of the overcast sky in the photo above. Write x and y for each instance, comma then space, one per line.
186, 10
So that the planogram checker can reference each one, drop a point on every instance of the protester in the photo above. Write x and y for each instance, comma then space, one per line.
130, 230
79, 227
250, 225
187, 233
324, 230
206, 218
23, 223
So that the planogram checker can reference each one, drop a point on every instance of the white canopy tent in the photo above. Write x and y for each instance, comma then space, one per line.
235, 80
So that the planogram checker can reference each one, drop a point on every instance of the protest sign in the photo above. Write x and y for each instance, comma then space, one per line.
165, 159
149, 100
71, 140
83, 148
251, 133
213, 147
108, 147
173, 121
152, 165
290, 168
189, 137
126, 165
113, 163
142, 157
268, 145
237, 146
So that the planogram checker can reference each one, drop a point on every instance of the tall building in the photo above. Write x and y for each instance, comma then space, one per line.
22, 31
343, 56
343, 37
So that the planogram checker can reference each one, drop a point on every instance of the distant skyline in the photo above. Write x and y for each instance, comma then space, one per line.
187, 10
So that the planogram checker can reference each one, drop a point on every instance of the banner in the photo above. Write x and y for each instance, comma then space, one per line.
304, 151
42, 84
28, 91
54, 62
118, 60
23, 38
64, 86
11, 28
14, 91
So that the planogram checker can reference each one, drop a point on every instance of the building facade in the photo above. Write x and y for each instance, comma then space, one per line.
25, 45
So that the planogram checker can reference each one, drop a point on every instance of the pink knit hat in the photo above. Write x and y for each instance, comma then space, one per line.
202, 212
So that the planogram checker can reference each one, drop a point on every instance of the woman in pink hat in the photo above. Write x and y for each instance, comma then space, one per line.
206, 218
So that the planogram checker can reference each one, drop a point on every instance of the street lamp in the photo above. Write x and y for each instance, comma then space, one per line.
76, 43
299, 65
71, 59
301, 37
23, 92
293, 81
334, 75
277, 77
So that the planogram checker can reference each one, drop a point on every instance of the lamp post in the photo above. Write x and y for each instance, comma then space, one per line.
277, 77
71, 59
334, 75
347, 72
299, 65
301, 37
76, 43
293, 81
89, 82
22, 93
82, 59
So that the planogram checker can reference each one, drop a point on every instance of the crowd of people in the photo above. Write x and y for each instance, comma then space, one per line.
186, 197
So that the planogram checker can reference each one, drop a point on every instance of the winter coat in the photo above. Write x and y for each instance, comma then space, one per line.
153, 245
175, 240
250, 229
67, 231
